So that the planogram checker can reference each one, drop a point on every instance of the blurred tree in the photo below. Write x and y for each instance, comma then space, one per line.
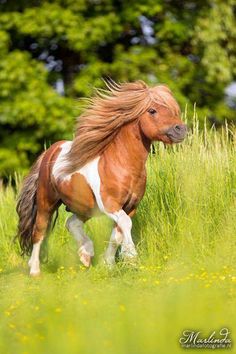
54, 51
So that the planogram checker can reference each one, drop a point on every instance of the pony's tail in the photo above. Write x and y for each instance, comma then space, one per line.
27, 208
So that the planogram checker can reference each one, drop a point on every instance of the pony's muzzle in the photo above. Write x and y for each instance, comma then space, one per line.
177, 133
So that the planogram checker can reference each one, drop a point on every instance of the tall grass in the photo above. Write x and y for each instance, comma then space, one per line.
185, 277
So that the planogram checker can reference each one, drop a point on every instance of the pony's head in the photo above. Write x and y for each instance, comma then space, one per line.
154, 109
161, 119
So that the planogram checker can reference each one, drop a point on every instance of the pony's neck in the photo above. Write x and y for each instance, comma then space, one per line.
131, 145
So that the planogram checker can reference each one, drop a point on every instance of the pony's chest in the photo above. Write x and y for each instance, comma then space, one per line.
121, 186
135, 190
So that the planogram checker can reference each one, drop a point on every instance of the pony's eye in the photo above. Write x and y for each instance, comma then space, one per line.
152, 111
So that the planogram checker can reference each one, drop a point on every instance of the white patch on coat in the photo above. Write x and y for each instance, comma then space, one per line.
61, 161
91, 174
89, 171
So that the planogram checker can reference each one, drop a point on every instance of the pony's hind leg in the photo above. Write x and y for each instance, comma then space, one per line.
86, 250
40, 228
115, 241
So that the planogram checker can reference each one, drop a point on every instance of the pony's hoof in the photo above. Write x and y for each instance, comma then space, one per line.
129, 257
86, 259
109, 261
128, 253
132, 261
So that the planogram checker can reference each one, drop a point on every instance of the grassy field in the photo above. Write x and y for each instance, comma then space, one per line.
185, 276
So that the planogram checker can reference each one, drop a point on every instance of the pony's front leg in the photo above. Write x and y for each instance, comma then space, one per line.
86, 250
115, 241
125, 224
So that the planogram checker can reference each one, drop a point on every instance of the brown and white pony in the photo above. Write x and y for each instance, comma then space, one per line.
101, 171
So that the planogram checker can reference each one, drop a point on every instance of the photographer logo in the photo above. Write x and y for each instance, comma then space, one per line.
215, 340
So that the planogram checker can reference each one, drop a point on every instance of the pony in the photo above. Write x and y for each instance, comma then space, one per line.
101, 171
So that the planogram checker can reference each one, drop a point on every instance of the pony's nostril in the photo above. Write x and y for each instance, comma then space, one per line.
180, 128
177, 128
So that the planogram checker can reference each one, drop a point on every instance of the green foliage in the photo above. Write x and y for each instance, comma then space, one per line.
190, 46
184, 278
35, 114
216, 34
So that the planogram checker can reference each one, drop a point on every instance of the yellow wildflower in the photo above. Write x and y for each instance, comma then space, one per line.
58, 310
122, 308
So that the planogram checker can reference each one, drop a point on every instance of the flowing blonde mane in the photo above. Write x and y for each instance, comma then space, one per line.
107, 112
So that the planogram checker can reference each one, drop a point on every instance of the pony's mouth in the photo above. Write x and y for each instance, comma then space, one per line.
177, 133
